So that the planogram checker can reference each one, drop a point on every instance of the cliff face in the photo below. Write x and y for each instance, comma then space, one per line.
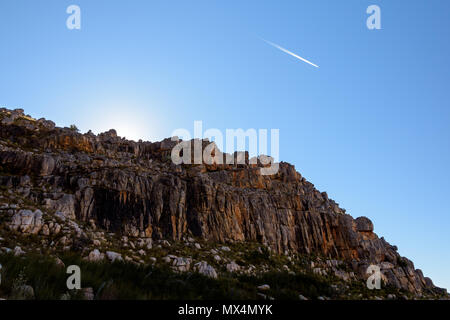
133, 189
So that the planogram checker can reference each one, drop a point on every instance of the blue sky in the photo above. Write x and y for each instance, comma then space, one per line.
370, 126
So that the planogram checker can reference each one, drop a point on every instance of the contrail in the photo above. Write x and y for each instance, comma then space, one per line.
289, 52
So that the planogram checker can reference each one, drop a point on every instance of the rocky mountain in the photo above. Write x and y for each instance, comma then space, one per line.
73, 190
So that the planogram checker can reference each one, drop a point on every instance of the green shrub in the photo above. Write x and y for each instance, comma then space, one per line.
127, 281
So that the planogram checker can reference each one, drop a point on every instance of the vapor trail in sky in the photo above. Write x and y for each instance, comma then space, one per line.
290, 53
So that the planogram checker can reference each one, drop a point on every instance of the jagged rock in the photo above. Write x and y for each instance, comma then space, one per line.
204, 268
27, 221
387, 265
145, 243
264, 287
64, 205
60, 215
133, 188
17, 112
7, 121
76, 228
333, 263
114, 256
233, 267
46, 124
251, 270
342, 275
319, 271
47, 165
363, 224
96, 256
18, 251
182, 264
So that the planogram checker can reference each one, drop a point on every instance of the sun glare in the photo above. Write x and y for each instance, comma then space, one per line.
132, 123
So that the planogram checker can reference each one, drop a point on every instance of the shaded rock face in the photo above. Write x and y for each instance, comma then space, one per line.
133, 188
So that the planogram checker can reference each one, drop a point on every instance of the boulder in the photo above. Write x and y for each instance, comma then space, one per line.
27, 221
204, 268
46, 124
182, 264
233, 267
264, 287
363, 224
96, 256
114, 256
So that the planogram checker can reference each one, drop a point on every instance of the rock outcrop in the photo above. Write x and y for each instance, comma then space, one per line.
133, 189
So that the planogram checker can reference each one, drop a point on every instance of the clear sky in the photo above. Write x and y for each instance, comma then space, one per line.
370, 126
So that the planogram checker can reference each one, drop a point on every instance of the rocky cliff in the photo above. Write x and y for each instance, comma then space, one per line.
133, 189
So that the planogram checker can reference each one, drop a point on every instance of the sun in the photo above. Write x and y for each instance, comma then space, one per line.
131, 121
128, 126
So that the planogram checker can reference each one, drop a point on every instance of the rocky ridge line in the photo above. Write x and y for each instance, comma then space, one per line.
132, 189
